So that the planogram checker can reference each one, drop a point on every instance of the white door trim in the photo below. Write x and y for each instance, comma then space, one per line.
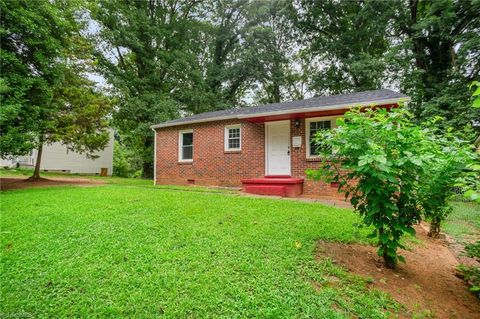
276, 123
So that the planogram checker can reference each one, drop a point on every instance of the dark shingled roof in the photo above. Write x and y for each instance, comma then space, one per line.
315, 103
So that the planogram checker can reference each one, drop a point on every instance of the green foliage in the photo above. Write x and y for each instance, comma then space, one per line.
401, 170
270, 37
427, 48
347, 43
473, 250
169, 59
476, 94
166, 61
385, 154
471, 275
138, 247
441, 39
450, 156
145, 51
470, 181
125, 162
46, 96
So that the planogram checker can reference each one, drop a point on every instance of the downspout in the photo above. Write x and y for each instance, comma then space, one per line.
154, 156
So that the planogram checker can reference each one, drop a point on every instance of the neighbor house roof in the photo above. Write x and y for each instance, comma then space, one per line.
320, 103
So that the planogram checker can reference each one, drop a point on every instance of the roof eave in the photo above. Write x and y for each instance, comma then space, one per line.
283, 112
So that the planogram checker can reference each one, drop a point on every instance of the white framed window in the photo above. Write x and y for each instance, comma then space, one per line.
312, 126
233, 137
185, 146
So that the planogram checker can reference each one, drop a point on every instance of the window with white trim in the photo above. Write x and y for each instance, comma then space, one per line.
312, 128
233, 138
185, 146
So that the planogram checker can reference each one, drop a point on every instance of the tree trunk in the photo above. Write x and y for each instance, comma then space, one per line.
389, 262
36, 172
276, 93
434, 228
147, 170
147, 165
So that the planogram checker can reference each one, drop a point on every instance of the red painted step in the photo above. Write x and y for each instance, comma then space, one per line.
274, 185
278, 176
277, 190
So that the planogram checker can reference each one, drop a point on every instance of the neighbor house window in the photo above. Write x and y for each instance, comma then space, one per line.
185, 150
312, 127
233, 138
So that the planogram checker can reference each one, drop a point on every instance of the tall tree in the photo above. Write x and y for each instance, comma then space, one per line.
271, 47
251, 52
148, 52
347, 43
443, 42
227, 72
46, 97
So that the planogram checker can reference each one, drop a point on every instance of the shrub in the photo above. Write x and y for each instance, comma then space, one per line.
385, 153
449, 158
471, 275
473, 250
124, 162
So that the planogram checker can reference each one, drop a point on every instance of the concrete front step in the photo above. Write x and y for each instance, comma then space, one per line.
279, 186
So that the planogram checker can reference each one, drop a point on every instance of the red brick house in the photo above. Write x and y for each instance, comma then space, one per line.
266, 149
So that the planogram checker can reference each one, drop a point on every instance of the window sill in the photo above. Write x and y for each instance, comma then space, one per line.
232, 151
185, 162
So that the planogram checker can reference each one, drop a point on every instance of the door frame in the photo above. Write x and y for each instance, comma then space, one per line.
274, 123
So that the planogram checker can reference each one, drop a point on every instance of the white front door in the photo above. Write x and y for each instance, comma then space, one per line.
277, 148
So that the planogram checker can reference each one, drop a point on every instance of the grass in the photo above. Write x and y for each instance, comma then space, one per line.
464, 222
22, 172
25, 172
132, 250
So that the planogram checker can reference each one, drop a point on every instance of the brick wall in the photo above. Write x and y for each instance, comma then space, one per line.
300, 163
213, 166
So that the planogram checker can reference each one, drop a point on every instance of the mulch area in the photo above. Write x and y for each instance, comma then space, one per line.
427, 280
8, 183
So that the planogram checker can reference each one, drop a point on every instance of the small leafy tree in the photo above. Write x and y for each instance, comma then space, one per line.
379, 157
470, 181
450, 157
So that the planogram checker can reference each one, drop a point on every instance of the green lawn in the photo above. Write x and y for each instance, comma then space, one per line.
130, 250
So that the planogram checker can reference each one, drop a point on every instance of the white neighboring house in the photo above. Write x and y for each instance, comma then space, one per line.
56, 158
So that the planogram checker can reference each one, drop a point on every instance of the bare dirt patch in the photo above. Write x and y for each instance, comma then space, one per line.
21, 183
425, 283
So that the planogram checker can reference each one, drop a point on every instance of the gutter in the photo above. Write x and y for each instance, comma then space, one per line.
284, 112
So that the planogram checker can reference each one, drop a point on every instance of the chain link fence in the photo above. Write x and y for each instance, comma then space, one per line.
463, 204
